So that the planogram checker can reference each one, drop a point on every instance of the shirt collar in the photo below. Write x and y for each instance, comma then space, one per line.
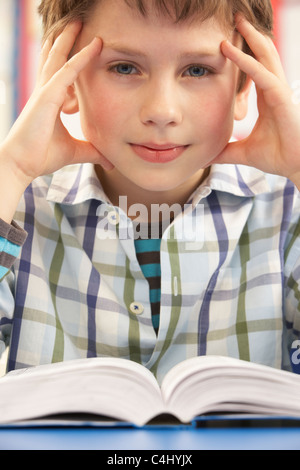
239, 180
75, 184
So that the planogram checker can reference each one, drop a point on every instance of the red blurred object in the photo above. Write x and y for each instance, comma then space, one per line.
277, 5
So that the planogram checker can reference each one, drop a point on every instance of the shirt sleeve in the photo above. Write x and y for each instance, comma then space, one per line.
12, 238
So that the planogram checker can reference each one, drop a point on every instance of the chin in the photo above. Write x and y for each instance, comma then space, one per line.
158, 187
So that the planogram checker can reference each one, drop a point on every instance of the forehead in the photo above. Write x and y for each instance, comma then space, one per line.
176, 11
181, 10
120, 16
126, 32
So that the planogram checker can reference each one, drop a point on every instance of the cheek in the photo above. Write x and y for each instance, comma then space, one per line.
102, 114
214, 113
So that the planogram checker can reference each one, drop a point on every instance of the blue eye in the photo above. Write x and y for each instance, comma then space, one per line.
124, 69
196, 71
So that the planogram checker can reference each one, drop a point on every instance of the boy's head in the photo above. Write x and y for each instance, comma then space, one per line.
160, 100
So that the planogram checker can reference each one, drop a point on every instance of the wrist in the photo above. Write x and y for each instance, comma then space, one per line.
296, 180
12, 186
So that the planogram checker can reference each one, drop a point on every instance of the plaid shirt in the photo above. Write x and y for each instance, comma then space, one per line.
73, 293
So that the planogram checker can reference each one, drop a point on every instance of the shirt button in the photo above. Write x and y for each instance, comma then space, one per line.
137, 308
113, 218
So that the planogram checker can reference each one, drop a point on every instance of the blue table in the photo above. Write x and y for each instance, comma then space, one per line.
114, 439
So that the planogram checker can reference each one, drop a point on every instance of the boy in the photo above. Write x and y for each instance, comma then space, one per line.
158, 85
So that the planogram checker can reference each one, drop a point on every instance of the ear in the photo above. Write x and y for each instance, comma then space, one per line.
242, 101
70, 105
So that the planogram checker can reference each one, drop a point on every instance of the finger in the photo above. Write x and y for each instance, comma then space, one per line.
248, 64
56, 87
59, 52
44, 55
261, 45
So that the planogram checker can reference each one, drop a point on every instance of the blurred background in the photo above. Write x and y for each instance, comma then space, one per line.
20, 33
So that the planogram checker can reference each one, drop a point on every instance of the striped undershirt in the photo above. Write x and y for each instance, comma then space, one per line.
148, 256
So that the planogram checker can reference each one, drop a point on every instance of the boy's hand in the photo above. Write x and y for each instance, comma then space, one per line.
274, 144
38, 143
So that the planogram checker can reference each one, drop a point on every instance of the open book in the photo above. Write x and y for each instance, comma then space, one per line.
126, 391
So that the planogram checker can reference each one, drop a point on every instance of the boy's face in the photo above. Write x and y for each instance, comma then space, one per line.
160, 100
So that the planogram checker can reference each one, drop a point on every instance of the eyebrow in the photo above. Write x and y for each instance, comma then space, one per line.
124, 50
184, 55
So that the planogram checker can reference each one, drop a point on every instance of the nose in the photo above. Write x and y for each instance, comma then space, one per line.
161, 106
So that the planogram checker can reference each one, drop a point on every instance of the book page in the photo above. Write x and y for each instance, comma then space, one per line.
222, 384
117, 388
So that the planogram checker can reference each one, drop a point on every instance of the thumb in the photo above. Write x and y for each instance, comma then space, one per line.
87, 153
233, 153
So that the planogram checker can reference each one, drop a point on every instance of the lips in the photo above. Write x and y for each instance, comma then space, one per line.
154, 153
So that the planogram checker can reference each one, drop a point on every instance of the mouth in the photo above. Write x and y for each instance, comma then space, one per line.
155, 153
